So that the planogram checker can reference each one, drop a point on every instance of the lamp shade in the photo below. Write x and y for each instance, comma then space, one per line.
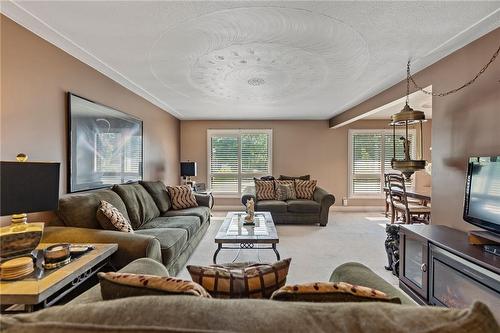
188, 169
28, 187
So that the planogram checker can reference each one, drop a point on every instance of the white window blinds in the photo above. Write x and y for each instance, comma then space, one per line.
371, 152
236, 157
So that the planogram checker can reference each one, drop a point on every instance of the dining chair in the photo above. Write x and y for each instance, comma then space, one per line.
411, 212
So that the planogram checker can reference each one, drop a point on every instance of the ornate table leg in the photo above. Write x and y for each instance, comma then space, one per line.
219, 247
276, 251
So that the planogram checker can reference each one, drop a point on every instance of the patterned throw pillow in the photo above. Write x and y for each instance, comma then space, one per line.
121, 285
305, 188
285, 190
331, 292
264, 189
110, 218
182, 197
241, 280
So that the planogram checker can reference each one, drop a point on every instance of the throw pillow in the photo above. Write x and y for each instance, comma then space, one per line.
305, 188
121, 285
241, 280
305, 177
266, 178
264, 189
285, 190
331, 292
110, 218
182, 197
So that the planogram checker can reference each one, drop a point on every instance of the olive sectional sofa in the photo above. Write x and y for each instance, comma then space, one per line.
161, 233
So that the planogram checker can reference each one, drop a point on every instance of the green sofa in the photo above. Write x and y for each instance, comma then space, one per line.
298, 211
88, 313
160, 232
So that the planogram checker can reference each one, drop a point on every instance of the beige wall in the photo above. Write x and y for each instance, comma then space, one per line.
465, 124
299, 147
35, 76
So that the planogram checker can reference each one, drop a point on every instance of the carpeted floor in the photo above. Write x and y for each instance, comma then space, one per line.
315, 251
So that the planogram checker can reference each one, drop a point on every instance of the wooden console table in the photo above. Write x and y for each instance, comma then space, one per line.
439, 267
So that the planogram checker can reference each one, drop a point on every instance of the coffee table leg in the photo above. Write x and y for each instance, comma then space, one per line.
219, 247
276, 251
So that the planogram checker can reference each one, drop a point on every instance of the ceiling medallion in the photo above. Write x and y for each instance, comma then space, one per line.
256, 81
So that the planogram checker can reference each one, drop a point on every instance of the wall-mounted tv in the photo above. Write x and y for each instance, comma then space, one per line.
482, 193
105, 146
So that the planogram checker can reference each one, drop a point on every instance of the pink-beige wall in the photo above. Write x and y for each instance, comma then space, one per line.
464, 124
35, 76
299, 147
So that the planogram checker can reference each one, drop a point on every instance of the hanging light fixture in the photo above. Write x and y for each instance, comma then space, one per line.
407, 119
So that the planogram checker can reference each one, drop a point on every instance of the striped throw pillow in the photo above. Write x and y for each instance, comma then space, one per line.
110, 218
264, 189
241, 280
182, 197
305, 188
285, 190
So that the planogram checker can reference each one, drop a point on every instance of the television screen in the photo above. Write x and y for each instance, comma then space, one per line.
482, 195
105, 146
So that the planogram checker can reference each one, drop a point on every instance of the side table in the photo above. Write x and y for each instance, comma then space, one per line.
35, 292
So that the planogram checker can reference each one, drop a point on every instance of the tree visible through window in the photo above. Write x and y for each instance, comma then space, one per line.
236, 157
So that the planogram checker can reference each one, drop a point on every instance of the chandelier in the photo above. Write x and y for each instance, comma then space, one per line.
409, 118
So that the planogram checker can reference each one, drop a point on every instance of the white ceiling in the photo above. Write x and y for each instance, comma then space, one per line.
256, 60
418, 101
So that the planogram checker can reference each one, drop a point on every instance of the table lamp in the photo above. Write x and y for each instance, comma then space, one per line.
188, 170
26, 187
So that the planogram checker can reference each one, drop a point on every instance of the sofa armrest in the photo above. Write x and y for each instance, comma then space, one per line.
248, 193
130, 246
202, 199
325, 199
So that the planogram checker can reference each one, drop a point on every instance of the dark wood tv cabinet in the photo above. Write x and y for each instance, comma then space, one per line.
439, 267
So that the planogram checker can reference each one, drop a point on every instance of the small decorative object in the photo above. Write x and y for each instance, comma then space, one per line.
56, 255
392, 248
16, 268
250, 217
26, 187
428, 168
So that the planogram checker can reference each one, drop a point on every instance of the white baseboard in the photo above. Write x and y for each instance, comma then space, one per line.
332, 209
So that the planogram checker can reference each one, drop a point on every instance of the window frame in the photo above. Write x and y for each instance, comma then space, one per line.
384, 133
240, 175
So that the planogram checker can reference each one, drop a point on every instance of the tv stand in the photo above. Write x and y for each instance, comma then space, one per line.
438, 266
488, 240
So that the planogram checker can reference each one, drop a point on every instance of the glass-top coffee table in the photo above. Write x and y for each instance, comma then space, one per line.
232, 231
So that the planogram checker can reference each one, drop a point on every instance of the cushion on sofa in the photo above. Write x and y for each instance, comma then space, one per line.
303, 206
79, 209
305, 177
159, 193
140, 205
273, 206
110, 218
305, 188
182, 197
172, 241
121, 285
331, 292
189, 223
285, 190
202, 212
264, 189
241, 280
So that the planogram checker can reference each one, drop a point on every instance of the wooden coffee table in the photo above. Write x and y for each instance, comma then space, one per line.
45, 287
232, 231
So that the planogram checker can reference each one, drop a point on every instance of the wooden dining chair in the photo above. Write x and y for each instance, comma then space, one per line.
411, 212
388, 203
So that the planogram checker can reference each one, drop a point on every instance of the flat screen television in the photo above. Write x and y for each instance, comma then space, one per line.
482, 193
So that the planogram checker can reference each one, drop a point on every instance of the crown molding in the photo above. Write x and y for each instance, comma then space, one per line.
23, 17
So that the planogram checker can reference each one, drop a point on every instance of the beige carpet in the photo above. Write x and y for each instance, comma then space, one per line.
315, 251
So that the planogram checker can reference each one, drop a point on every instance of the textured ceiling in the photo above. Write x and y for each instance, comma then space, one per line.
256, 60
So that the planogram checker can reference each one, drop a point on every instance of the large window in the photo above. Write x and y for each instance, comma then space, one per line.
235, 157
370, 155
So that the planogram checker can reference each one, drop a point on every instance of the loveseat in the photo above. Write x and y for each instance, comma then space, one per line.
298, 211
166, 235
88, 313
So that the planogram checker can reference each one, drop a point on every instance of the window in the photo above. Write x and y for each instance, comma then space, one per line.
370, 155
235, 157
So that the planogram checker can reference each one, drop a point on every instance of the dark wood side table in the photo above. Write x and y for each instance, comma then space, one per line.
43, 291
